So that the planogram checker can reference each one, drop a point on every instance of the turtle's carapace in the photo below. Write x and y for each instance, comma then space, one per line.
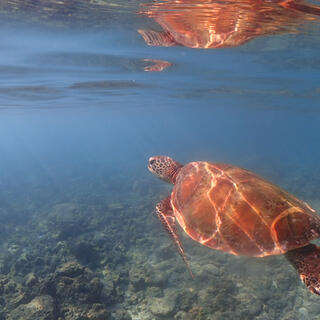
230, 23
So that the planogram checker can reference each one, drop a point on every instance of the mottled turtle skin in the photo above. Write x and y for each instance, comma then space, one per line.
234, 210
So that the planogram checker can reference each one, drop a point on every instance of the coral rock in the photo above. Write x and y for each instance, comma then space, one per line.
40, 308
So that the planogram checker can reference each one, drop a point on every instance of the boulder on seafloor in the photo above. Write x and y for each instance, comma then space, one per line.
163, 307
66, 220
220, 296
40, 308
141, 278
303, 314
30, 279
85, 252
70, 269
121, 314
182, 315
138, 278
12, 293
78, 292
186, 298
77, 284
154, 292
97, 312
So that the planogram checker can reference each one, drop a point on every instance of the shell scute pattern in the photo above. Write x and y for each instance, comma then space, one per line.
234, 210
196, 209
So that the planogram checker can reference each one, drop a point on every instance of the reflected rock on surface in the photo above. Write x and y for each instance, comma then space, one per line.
156, 65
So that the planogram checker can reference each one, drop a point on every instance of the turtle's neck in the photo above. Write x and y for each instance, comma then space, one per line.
175, 171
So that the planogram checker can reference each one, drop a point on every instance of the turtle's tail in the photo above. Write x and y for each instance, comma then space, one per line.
306, 260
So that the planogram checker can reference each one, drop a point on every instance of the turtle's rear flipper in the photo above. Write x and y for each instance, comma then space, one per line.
306, 260
300, 6
165, 215
157, 38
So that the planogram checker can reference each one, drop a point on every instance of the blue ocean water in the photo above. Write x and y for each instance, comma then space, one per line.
80, 114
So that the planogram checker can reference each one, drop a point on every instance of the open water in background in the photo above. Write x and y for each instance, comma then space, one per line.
80, 115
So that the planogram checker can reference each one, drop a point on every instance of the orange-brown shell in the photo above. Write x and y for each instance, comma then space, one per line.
212, 24
231, 209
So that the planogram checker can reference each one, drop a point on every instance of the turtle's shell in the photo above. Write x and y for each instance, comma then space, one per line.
212, 24
231, 209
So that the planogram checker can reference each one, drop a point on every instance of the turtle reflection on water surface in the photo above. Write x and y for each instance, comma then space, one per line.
230, 23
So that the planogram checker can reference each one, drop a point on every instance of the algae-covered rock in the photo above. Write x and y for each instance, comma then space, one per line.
186, 298
66, 220
13, 293
303, 313
154, 292
84, 312
121, 314
70, 269
254, 308
182, 315
291, 315
157, 278
83, 289
163, 307
40, 308
218, 297
72, 312
85, 252
138, 277
77, 289
30, 279
209, 270
98, 312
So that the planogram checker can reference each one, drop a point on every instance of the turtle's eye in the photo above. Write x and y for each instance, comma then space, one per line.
152, 162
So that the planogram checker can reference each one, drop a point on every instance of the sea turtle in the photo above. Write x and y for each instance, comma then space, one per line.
216, 24
234, 210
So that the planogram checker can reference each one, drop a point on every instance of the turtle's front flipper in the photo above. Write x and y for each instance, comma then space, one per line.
306, 260
165, 214
157, 38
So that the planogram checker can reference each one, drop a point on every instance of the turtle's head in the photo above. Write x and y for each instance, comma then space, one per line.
164, 167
